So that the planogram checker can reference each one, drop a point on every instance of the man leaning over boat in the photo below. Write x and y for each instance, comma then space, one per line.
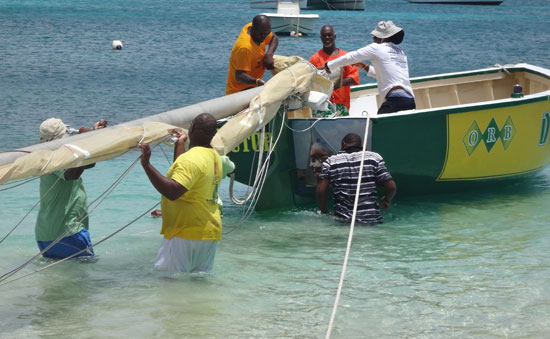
390, 66
249, 59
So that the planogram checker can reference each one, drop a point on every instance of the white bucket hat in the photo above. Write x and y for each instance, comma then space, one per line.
52, 129
385, 29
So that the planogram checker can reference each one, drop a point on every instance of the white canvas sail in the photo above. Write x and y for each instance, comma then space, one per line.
294, 75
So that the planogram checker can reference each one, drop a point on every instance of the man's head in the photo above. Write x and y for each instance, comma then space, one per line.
52, 129
351, 140
328, 37
202, 129
261, 27
387, 31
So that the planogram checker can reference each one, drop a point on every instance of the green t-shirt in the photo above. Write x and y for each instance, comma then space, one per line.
65, 206
227, 167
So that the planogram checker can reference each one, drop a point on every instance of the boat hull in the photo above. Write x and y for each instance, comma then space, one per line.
436, 150
346, 5
458, 2
302, 23
271, 4
349, 5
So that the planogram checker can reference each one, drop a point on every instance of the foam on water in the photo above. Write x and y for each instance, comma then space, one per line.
459, 265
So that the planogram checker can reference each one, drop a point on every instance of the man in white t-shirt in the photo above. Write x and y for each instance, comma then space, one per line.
390, 67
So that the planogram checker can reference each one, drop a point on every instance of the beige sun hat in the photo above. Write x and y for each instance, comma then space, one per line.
385, 29
52, 129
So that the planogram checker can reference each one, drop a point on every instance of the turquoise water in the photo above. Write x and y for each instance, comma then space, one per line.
463, 265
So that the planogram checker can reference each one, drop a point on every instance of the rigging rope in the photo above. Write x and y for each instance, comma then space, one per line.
19, 184
350, 237
61, 236
32, 208
2, 283
90, 209
259, 181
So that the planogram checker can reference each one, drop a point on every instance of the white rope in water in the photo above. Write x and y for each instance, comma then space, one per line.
259, 180
2, 283
350, 237
32, 208
101, 198
61, 236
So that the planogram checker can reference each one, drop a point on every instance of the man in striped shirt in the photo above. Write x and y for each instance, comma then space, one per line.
342, 171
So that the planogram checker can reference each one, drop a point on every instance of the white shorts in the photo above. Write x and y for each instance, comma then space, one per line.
183, 255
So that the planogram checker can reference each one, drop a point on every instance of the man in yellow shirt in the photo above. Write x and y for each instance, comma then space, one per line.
191, 222
249, 59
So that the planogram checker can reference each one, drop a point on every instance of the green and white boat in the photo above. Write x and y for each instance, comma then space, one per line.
469, 131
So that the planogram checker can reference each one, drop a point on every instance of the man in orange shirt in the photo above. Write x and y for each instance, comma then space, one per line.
249, 59
341, 94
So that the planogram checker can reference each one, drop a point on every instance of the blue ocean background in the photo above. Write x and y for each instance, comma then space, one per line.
472, 264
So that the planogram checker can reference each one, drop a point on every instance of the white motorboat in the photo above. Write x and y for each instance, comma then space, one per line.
458, 2
342, 5
349, 5
289, 19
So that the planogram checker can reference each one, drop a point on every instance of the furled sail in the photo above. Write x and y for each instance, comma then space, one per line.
294, 76
104, 144
96, 147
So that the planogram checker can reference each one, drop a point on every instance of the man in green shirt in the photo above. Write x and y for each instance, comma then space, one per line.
63, 204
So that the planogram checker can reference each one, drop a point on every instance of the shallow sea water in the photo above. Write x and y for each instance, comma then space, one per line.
470, 264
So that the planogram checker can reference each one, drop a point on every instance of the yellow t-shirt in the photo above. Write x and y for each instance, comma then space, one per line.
194, 215
246, 56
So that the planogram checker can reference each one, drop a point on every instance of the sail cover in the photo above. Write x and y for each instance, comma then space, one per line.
100, 145
293, 76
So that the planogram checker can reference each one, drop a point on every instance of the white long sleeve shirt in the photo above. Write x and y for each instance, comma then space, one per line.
389, 61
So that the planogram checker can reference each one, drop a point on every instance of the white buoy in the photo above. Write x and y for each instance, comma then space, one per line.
117, 44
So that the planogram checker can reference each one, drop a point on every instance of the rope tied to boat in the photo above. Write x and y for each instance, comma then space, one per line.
350, 236
259, 180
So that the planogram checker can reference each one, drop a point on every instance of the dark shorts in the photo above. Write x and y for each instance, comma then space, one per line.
396, 104
68, 246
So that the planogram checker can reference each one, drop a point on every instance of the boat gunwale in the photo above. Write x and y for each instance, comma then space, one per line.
477, 106
542, 96
543, 72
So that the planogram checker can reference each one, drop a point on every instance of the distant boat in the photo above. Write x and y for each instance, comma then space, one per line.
458, 2
347, 5
288, 18
272, 4
350, 5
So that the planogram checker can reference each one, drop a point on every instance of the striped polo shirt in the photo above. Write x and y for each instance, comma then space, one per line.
342, 170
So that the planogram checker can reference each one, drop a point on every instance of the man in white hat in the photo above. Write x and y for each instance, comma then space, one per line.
390, 67
62, 222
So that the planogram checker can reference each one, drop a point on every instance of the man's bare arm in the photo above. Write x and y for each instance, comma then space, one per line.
321, 194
